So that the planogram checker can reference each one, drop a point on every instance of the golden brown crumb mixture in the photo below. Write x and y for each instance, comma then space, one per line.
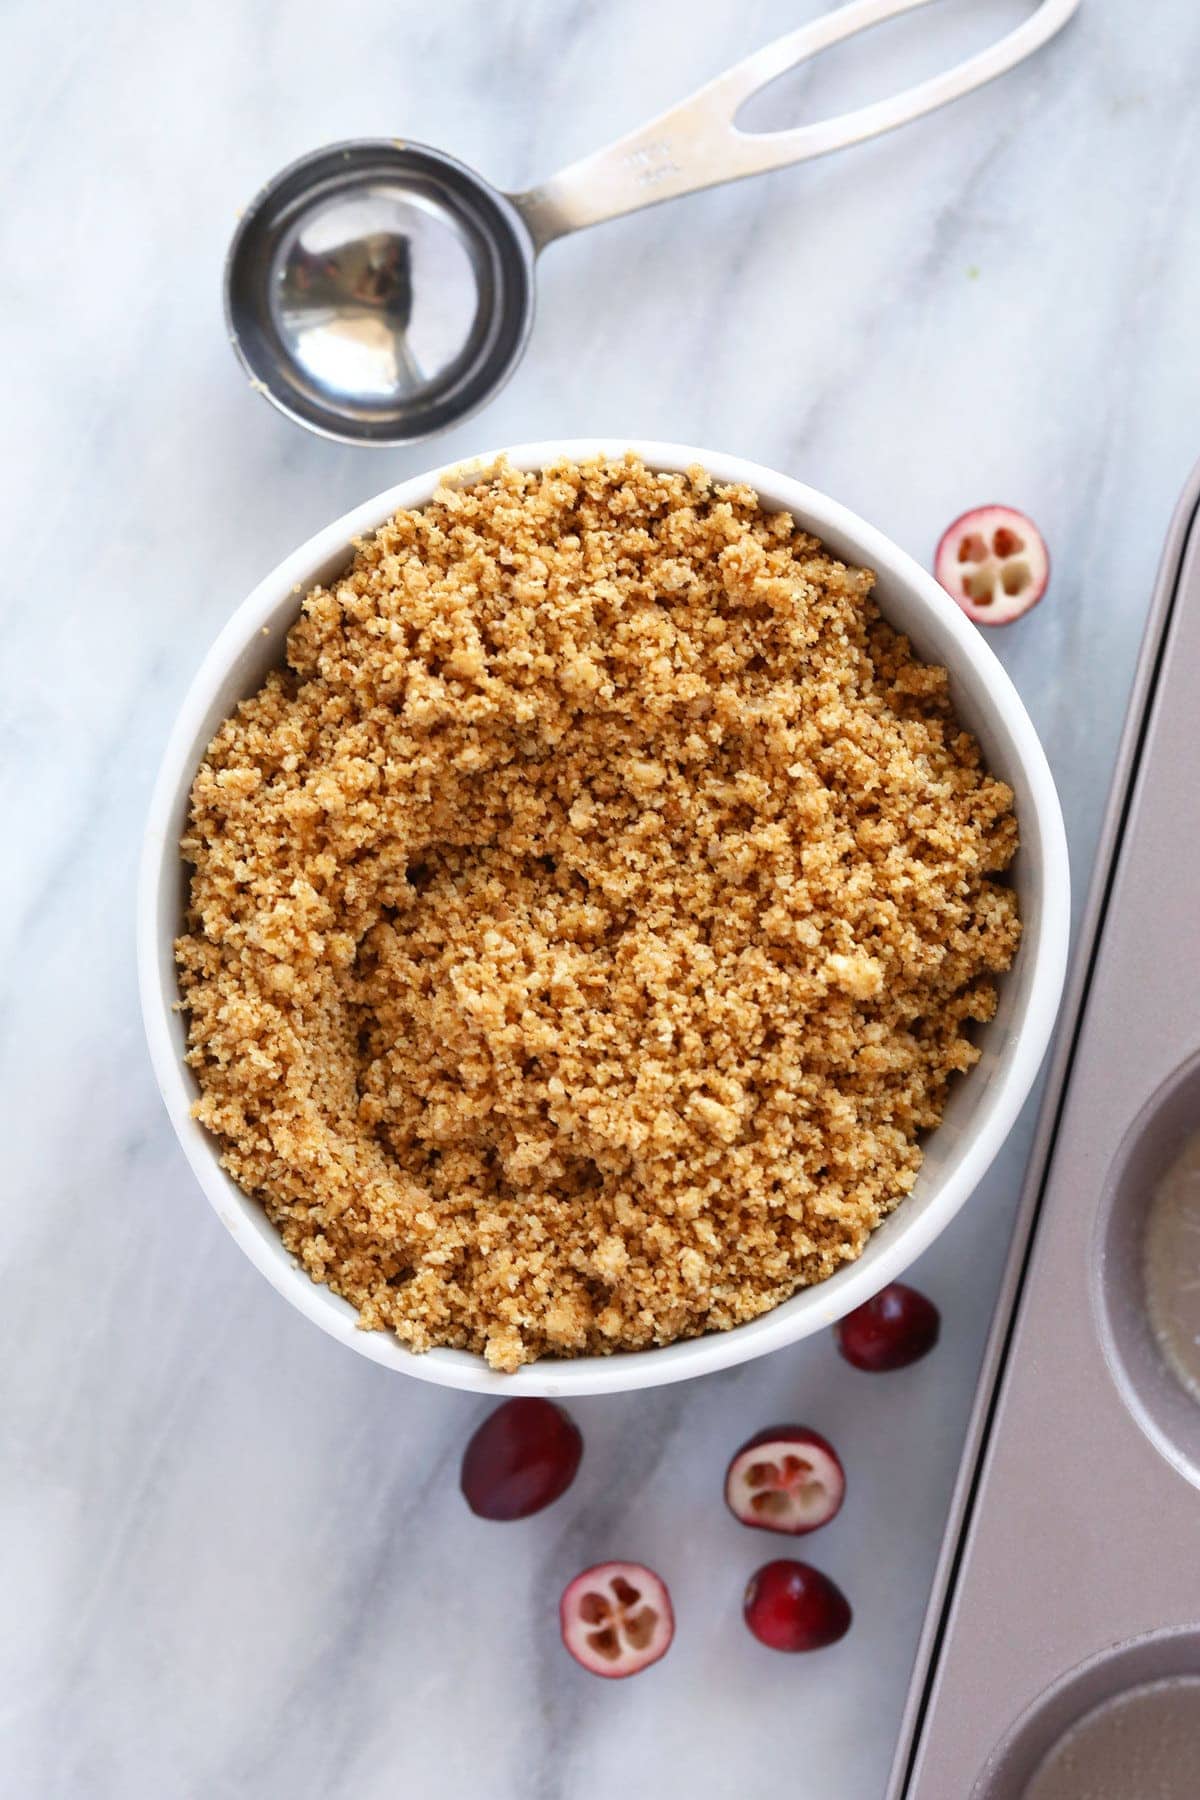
587, 921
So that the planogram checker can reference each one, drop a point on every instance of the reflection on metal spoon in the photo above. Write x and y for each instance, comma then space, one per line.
376, 295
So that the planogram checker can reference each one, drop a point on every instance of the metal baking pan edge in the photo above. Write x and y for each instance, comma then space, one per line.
1185, 520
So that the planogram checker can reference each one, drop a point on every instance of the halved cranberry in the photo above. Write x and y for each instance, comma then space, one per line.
792, 1606
994, 562
523, 1456
616, 1619
787, 1479
896, 1328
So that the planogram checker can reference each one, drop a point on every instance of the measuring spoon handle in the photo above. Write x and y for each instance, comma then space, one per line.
697, 144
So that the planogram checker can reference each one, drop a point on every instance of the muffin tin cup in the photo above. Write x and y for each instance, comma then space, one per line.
1068, 1581
1109, 1711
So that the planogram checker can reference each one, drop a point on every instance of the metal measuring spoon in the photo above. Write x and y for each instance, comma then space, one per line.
379, 291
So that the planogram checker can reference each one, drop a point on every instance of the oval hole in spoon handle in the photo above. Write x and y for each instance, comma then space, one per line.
696, 144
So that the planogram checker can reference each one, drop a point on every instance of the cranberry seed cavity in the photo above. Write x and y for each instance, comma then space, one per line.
616, 1619
994, 562
787, 1478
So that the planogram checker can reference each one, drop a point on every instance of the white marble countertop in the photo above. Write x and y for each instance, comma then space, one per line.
233, 1556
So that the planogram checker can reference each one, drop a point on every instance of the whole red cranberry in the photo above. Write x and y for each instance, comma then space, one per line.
896, 1328
792, 1606
523, 1456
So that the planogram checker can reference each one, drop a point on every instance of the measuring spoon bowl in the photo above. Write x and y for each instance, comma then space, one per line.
379, 291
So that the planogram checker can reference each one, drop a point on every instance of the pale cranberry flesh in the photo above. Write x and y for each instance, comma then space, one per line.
788, 1479
792, 1606
523, 1457
617, 1619
994, 562
897, 1327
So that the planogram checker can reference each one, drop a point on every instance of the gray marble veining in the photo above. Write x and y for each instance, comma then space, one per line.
233, 1557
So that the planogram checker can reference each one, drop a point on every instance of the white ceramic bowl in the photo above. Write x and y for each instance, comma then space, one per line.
983, 1105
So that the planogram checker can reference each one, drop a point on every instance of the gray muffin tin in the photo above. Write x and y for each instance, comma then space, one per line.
1070, 1571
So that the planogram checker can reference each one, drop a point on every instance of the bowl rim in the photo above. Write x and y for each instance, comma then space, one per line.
812, 1309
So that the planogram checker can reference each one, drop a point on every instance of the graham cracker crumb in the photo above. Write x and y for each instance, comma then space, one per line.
588, 920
